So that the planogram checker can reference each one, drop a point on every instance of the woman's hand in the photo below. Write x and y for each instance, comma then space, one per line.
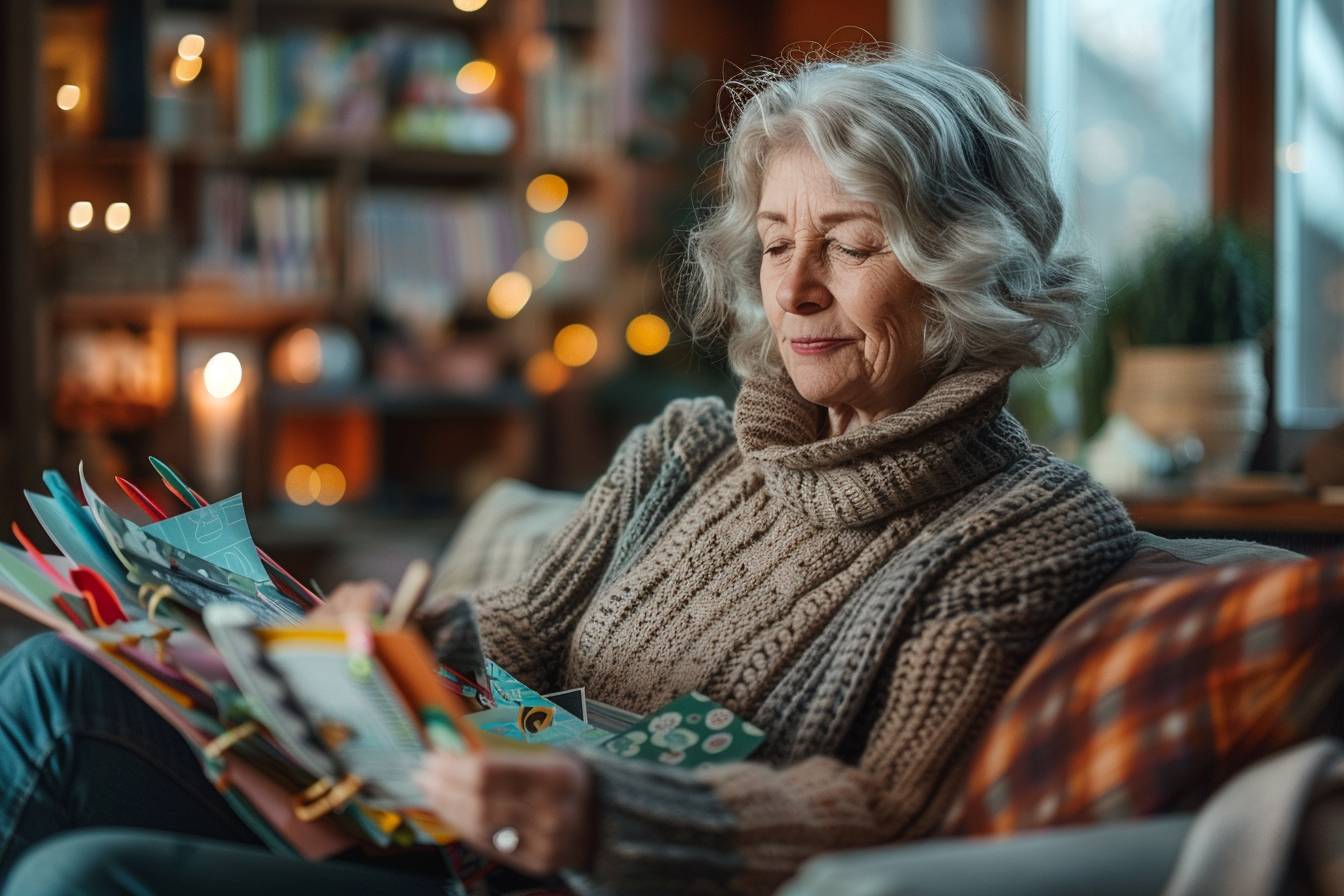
547, 798
352, 598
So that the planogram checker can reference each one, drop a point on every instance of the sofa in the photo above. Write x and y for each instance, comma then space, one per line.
1097, 850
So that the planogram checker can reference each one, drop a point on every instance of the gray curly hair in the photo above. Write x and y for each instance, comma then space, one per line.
960, 181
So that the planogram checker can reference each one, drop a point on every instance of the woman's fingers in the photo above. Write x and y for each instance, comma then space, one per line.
545, 797
364, 598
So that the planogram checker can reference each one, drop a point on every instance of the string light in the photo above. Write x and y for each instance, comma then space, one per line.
299, 484
186, 70
508, 294
544, 374
301, 356
67, 97
223, 374
575, 345
566, 240
81, 215
191, 46
326, 484
476, 76
536, 51
330, 484
546, 193
647, 334
117, 217
469, 5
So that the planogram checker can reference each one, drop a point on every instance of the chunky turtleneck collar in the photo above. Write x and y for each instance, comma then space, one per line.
954, 437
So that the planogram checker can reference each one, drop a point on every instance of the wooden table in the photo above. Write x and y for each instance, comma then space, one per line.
1299, 524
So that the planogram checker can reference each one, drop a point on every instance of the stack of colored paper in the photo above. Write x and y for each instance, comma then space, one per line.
310, 728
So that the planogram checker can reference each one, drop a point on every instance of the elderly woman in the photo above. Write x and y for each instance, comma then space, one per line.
857, 557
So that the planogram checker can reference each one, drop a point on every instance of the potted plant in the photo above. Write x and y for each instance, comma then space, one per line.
1185, 327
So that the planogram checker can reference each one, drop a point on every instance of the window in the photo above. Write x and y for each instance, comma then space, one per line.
1122, 93
1309, 213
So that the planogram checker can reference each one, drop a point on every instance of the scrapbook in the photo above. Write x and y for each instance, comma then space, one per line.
310, 728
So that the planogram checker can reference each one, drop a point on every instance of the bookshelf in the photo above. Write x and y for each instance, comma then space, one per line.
349, 175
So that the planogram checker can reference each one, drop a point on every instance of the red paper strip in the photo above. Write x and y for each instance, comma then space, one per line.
141, 499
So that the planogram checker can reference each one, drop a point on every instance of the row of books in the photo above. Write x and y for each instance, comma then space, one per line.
415, 256
266, 236
387, 84
569, 109
420, 257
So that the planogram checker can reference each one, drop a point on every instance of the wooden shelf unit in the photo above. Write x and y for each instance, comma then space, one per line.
194, 309
167, 180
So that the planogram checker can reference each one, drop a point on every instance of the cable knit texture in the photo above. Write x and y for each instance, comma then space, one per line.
865, 598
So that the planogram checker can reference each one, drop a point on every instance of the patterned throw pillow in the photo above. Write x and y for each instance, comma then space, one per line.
1156, 691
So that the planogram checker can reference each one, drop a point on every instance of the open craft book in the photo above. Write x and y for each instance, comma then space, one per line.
311, 730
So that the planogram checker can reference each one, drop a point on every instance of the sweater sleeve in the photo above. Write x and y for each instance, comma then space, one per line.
525, 627
748, 826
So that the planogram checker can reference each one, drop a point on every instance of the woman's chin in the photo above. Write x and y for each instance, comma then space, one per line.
824, 394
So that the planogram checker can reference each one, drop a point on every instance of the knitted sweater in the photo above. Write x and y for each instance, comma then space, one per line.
865, 599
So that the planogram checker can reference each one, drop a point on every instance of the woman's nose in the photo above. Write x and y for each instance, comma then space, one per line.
802, 289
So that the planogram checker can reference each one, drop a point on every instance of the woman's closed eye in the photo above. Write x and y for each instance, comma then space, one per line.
781, 250
851, 251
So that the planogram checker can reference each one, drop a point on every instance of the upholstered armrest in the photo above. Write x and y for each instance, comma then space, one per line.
1132, 858
502, 536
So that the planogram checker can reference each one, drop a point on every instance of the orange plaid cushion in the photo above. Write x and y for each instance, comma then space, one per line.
1155, 691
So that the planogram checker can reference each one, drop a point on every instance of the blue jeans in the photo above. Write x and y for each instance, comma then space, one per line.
79, 752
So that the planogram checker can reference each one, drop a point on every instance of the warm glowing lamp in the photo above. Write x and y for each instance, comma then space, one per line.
575, 345
546, 193
186, 70
536, 51
216, 402
299, 484
67, 97
647, 334
223, 374
330, 484
81, 215
303, 352
566, 240
508, 294
544, 374
476, 76
469, 5
191, 46
117, 217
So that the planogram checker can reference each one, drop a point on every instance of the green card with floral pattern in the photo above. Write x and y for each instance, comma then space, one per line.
689, 732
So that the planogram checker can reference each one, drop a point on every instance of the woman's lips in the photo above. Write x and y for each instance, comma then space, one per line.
817, 346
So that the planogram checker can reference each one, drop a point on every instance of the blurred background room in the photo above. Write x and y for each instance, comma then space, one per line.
359, 259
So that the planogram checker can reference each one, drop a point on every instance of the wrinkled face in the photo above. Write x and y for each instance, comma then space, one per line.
846, 316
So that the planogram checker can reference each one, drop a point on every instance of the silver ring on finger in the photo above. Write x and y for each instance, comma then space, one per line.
505, 840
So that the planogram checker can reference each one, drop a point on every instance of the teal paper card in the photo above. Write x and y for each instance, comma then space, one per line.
523, 714
74, 540
194, 578
21, 575
79, 517
689, 732
216, 532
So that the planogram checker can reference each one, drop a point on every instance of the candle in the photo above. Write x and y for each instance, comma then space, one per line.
216, 397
